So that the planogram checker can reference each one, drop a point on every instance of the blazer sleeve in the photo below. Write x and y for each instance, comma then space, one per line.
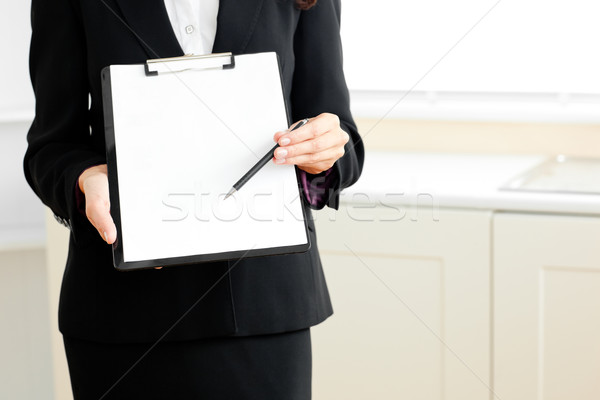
319, 86
59, 141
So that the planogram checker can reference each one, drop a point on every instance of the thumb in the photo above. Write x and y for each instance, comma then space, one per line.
98, 213
110, 232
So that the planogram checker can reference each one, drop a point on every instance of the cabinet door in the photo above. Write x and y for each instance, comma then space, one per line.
547, 307
411, 305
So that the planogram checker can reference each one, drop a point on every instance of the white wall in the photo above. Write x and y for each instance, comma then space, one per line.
16, 95
532, 46
527, 60
21, 214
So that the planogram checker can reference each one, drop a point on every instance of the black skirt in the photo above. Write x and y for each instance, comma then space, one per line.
265, 367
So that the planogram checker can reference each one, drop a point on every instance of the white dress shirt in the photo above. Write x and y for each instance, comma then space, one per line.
194, 23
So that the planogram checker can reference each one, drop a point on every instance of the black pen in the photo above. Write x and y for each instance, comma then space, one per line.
261, 163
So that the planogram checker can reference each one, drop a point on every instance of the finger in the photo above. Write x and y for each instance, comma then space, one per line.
313, 158
319, 144
316, 127
281, 133
98, 212
110, 233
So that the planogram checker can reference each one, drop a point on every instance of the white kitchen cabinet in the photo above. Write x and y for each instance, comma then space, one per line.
546, 307
411, 297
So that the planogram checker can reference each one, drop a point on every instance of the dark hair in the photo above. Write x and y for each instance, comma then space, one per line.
305, 4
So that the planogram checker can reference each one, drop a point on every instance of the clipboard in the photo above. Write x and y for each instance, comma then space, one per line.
179, 132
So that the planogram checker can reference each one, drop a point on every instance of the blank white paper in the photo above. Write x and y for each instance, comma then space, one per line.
182, 140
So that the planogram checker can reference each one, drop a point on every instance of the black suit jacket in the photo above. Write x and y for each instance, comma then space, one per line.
72, 41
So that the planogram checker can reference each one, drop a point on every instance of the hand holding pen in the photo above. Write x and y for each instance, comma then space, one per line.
313, 147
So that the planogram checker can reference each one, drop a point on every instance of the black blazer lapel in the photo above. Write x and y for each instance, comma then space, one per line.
235, 24
149, 22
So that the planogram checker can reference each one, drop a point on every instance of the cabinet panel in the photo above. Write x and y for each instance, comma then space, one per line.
374, 346
25, 366
411, 301
547, 304
570, 333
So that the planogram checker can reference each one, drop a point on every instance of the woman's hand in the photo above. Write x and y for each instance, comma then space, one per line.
93, 182
315, 147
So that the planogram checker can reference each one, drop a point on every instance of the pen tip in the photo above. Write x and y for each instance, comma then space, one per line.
232, 191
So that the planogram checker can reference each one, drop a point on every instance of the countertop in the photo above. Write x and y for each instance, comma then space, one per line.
470, 181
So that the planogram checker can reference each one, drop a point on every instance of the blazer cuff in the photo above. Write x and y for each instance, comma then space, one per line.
317, 188
79, 199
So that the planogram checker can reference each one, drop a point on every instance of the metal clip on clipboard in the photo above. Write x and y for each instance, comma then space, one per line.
189, 61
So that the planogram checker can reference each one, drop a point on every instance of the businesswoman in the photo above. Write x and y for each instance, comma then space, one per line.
237, 329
